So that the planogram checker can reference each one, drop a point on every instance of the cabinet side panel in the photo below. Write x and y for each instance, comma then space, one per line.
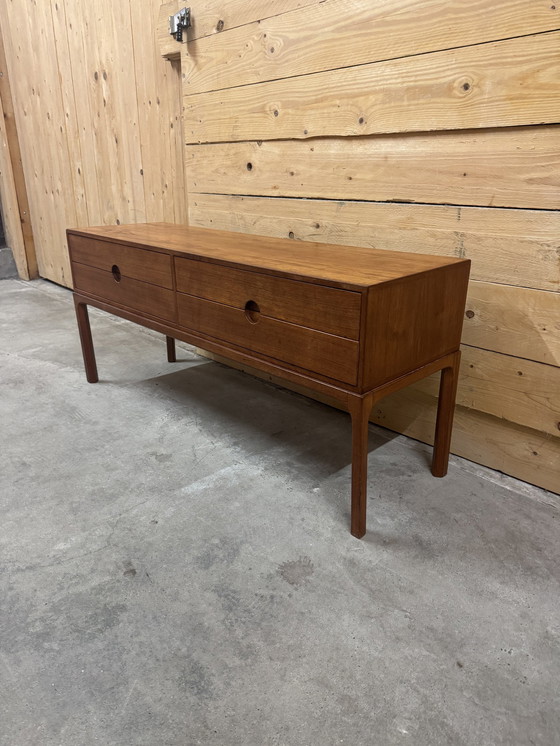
413, 321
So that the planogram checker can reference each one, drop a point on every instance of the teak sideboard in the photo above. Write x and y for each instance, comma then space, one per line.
353, 323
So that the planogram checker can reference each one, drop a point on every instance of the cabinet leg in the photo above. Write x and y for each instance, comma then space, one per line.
86, 341
445, 412
171, 356
360, 409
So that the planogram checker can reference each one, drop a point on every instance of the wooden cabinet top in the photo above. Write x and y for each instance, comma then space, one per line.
341, 266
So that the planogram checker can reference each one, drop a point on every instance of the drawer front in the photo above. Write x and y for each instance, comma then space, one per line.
315, 351
138, 296
315, 306
138, 264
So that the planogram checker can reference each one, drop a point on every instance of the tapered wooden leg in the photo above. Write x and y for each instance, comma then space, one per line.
171, 356
86, 341
360, 409
445, 412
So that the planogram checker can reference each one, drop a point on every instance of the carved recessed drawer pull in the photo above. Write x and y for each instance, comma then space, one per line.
252, 311
116, 273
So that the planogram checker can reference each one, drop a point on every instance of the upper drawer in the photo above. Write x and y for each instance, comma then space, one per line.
315, 306
139, 264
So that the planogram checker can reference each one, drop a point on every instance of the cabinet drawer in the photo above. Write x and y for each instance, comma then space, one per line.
138, 296
313, 350
306, 304
138, 264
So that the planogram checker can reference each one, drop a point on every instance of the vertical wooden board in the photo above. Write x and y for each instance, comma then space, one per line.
513, 82
41, 122
102, 57
58, 11
158, 101
514, 321
338, 33
509, 167
519, 451
178, 166
9, 207
14, 202
94, 158
516, 247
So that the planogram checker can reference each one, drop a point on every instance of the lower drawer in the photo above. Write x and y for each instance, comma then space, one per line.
315, 351
133, 294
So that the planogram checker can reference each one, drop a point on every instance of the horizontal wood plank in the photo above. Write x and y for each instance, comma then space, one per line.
515, 247
210, 17
519, 451
514, 321
511, 167
335, 34
514, 82
513, 389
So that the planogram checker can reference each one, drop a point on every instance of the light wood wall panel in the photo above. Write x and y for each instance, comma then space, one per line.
338, 33
409, 126
490, 85
508, 167
8, 203
514, 320
518, 248
519, 391
212, 16
98, 114
14, 202
41, 122
528, 454
514, 247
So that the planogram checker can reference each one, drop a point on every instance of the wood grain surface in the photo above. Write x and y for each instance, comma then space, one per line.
333, 357
98, 117
516, 321
528, 454
512, 389
502, 84
515, 247
338, 33
324, 308
138, 296
508, 167
147, 266
319, 263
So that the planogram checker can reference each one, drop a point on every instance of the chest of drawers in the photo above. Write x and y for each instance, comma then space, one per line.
350, 322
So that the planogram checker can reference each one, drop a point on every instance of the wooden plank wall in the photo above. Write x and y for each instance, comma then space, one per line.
98, 114
14, 204
416, 125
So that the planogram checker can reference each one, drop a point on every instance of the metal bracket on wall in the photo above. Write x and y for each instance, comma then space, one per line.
179, 22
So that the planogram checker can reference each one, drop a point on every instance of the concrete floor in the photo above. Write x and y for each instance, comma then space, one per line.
176, 566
